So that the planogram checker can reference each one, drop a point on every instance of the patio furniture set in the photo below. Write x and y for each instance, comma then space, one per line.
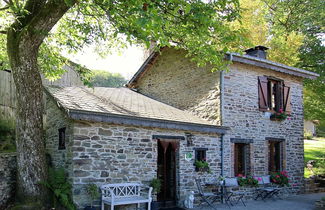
224, 193
135, 193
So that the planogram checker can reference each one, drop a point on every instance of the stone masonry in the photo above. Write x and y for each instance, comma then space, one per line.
8, 168
242, 115
105, 153
175, 80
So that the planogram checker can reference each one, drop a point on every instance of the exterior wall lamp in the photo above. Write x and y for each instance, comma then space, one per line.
189, 139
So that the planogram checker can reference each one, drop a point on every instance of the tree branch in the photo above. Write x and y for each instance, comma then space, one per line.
4, 8
3, 32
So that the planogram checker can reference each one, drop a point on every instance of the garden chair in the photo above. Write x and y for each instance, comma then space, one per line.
267, 190
231, 194
206, 197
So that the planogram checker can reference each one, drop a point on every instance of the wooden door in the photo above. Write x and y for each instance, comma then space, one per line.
167, 170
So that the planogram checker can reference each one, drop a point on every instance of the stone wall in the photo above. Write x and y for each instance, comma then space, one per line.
104, 153
56, 119
175, 80
8, 169
242, 115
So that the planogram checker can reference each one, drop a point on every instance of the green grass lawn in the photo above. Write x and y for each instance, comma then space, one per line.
315, 150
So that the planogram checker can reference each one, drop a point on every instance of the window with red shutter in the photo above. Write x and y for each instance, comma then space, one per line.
273, 95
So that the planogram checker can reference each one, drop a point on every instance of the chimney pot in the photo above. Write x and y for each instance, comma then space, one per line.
258, 51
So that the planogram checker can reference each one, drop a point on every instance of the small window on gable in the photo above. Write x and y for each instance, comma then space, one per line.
274, 95
61, 139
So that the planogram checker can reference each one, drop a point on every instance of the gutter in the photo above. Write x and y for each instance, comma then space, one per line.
144, 122
222, 88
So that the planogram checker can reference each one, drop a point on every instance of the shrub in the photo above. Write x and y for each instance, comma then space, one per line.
156, 185
60, 188
308, 135
92, 191
7, 136
280, 178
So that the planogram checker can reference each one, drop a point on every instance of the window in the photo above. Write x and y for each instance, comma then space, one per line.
61, 138
200, 154
275, 156
242, 159
274, 95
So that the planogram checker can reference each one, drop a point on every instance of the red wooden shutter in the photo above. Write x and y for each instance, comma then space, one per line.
262, 93
286, 99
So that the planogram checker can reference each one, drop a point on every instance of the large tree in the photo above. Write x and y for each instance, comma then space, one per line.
33, 46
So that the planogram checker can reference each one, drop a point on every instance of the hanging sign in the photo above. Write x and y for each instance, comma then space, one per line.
188, 156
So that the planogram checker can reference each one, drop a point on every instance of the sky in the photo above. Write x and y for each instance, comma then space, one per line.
126, 63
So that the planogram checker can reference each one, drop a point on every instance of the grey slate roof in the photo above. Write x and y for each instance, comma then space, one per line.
124, 106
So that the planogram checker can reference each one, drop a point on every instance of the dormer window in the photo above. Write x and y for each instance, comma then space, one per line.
274, 95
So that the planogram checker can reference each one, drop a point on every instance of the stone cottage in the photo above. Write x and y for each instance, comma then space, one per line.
174, 113
113, 135
247, 98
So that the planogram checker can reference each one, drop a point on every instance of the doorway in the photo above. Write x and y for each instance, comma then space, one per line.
167, 166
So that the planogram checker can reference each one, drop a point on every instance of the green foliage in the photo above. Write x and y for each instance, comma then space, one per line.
202, 165
156, 185
101, 78
92, 191
200, 28
60, 187
247, 181
7, 136
320, 129
308, 135
280, 178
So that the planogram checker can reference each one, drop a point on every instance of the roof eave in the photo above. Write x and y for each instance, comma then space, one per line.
271, 65
144, 122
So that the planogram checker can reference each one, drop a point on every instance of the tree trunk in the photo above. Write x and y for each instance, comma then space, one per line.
32, 168
24, 38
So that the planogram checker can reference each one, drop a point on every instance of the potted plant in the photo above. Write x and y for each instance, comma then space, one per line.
279, 116
92, 192
156, 185
202, 165
280, 178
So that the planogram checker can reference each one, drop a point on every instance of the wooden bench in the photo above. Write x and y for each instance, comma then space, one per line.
125, 193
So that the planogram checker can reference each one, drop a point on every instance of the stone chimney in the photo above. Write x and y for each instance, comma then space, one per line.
258, 51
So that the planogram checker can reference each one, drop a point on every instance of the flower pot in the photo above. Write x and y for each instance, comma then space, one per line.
273, 118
